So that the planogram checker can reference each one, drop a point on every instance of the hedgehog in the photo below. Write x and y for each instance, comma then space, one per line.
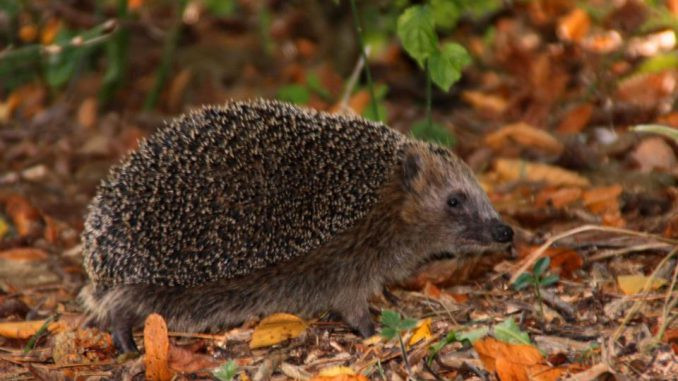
256, 207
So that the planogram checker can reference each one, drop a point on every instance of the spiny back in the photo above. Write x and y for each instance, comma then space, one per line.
226, 190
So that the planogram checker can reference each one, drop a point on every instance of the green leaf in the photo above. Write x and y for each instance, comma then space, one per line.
226, 372
389, 333
316, 86
524, 280
390, 318
220, 8
433, 132
659, 63
473, 335
407, 324
445, 13
294, 94
657, 129
447, 63
541, 267
508, 331
416, 32
549, 280
435, 348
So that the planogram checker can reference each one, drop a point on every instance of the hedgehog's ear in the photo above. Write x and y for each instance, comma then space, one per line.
411, 168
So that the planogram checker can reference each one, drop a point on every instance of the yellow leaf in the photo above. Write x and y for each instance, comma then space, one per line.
26, 329
633, 284
277, 328
4, 227
334, 371
422, 332
156, 344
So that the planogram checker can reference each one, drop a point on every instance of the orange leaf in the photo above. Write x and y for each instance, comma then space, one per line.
576, 119
431, 290
514, 362
359, 101
156, 344
28, 33
574, 26
633, 284
26, 329
479, 100
277, 328
25, 217
514, 170
558, 197
87, 112
50, 31
525, 135
26, 254
422, 332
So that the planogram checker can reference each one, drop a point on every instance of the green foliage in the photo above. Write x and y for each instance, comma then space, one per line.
445, 13
509, 332
446, 64
659, 63
435, 348
416, 31
380, 92
538, 279
394, 325
472, 335
220, 8
432, 132
226, 372
294, 93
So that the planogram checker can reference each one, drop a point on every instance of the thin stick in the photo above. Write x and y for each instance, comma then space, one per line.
363, 52
540, 251
350, 84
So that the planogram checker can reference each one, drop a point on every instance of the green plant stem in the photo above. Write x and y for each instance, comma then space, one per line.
429, 95
361, 45
537, 293
116, 53
402, 349
168, 52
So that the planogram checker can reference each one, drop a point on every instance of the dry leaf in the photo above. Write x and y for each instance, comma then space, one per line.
514, 170
25, 217
574, 26
334, 371
277, 328
558, 197
488, 102
423, 332
525, 135
341, 377
87, 112
604, 201
514, 362
178, 88
431, 290
603, 43
654, 153
26, 254
156, 344
633, 284
50, 31
576, 119
183, 360
82, 346
359, 101
26, 329
648, 90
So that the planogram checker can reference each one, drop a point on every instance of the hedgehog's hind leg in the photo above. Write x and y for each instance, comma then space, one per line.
107, 310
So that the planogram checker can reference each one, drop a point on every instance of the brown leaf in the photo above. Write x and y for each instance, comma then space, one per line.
25, 216
633, 284
648, 90
525, 135
558, 197
87, 112
277, 328
576, 119
485, 102
574, 26
26, 254
514, 362
178, 88
156, 344
514, 170
183, 360
654, 153
82, 346
26, 329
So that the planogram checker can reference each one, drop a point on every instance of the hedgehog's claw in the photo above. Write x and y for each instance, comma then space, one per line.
122, 337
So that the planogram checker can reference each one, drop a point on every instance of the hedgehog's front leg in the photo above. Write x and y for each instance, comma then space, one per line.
121, 330
357, 315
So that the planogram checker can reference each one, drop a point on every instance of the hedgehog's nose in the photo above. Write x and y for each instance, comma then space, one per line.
502, 233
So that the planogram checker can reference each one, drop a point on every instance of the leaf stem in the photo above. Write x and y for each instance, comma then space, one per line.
361, 45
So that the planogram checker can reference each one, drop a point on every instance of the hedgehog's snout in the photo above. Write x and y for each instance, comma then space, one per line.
501, 232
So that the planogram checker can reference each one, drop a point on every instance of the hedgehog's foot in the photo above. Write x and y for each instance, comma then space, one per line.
390, 297
121, 330
360, 320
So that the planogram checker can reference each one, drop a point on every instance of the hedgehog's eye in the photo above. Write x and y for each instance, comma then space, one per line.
453, 201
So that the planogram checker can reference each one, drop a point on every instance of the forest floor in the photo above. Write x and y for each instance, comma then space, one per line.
547, 115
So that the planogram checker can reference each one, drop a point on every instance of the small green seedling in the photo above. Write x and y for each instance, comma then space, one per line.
226, 372
393, 325
509, 332
538, 278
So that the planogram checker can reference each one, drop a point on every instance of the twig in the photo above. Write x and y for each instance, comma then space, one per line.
168, 52
591, 373
540, 251
350, 84
613, 253
363, 52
